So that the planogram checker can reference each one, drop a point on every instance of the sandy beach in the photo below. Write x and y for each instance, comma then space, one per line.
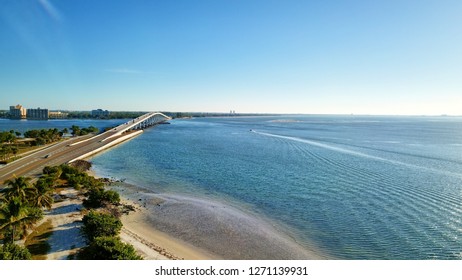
193, 228
65, 237
164, 227
153, 244
150, 243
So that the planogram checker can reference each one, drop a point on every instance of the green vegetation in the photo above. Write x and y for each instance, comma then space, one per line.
11, 251
97, 224
8, 145
37, 243
98, 197
21, 204
108, 248
18, 210
77, 131
8, 136
102, 226
11, 144
112, 115
176, 115
133, 115
44, 136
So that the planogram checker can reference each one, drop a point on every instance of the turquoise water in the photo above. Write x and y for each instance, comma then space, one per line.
349, 187
354, 187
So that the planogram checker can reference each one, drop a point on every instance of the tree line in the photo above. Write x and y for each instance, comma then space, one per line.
112, 115
22, 204
11, 143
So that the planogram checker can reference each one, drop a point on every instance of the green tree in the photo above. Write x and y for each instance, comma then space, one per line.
54, 172
39, 141
19, 187
7, 137
11, 251
44, 194
97, 224
98, 197
14, 150
15, 217
5, 151
75, 130
108, 248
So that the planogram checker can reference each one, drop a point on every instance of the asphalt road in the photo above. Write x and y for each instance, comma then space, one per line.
56, 154
63, 152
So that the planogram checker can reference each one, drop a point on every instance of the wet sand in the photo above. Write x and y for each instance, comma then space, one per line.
153, 244
193, 228
178, 227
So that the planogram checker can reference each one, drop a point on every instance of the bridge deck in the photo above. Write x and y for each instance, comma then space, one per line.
71, 149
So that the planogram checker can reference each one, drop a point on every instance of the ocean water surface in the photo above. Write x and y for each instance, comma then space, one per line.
352, 187
348, 187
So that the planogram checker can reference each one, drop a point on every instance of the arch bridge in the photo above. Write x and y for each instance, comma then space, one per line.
140, 123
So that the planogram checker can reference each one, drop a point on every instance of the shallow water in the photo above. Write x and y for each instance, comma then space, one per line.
219, 229
349, 187
353, 187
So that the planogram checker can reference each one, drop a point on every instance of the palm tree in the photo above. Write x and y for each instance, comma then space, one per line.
43, 196
19, 187
16, 216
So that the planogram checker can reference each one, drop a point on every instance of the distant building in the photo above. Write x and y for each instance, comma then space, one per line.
99, 113
17, 112
37, 114
57, 115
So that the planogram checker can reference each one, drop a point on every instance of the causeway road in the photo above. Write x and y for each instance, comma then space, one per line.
62, 152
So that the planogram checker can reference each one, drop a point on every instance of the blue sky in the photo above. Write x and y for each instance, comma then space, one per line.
285, 56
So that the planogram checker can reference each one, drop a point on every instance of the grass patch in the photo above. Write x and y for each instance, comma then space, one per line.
37, 243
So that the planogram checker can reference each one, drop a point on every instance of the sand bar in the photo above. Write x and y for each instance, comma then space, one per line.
176, 227
194, 228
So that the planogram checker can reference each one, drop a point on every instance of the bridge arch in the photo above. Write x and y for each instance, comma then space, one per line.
140, 123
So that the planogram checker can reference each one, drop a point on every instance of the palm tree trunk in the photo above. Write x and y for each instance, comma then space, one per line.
12, 234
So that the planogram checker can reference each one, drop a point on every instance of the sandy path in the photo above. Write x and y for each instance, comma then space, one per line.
66, 218
66, 238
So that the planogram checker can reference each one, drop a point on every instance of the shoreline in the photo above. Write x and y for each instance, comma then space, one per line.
149, 242
192, 228
173, 227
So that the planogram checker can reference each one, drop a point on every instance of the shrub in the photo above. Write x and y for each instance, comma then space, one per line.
11, 251
111, 196
100, 225
98, 197
52, 170
108, 248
